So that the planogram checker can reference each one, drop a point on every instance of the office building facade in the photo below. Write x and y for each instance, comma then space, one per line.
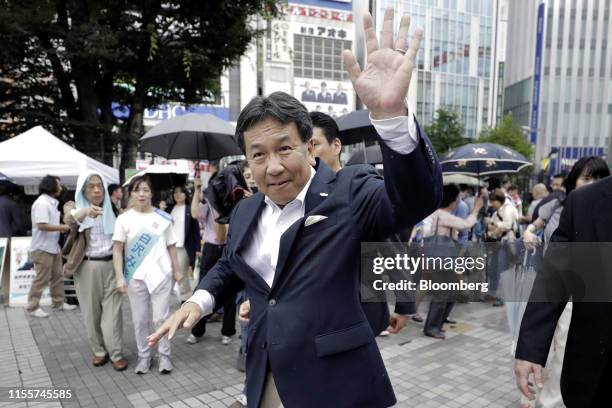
559, 77
461, 60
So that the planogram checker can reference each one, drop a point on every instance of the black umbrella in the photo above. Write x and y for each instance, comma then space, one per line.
369, 155
163, 177
480, 159
192, 136
356, 127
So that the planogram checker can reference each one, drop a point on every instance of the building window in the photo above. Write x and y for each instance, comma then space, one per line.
319, 57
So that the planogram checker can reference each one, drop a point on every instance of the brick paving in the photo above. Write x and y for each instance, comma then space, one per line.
471, 368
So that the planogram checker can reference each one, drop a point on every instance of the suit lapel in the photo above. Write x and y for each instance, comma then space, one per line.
319, 188
252, 212
316, 194
243, 230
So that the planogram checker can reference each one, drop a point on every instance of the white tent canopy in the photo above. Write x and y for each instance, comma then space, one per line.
27, 158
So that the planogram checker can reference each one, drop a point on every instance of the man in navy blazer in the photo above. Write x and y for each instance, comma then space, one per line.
295, 245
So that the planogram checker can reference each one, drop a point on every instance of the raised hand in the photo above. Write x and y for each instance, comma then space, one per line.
383, 84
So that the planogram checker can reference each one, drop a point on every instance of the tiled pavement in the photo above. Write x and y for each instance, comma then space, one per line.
472, 368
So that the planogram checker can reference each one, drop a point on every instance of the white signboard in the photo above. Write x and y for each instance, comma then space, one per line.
22, 274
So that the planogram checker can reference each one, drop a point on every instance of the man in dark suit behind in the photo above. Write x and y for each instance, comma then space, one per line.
295, 245
587, 368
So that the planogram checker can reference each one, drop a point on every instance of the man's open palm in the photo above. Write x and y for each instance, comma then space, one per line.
383, 84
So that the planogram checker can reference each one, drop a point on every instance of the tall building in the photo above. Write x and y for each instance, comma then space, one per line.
559, 76
461, 60
301, 54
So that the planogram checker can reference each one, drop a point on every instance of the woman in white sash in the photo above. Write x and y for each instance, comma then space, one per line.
145, 261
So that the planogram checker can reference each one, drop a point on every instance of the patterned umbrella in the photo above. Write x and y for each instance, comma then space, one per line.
481, 159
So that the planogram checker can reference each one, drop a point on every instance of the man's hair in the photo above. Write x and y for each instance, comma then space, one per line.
279, 106
592, 166
498, 196
137, 181
494, 183
559, 175
5, 189
468, 188
327, 124
112, 187
512, 188
540, 189
450, 192
48, 185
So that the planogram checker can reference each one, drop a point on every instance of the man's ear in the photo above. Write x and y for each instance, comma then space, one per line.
336, 146
310, 153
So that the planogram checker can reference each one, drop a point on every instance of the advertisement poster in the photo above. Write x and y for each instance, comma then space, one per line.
22, 274
335, 98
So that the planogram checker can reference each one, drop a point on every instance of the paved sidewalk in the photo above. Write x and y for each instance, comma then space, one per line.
472, 368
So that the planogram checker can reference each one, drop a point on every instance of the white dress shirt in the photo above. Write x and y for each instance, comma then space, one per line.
261, 253
178, 224
44, 211
100, 243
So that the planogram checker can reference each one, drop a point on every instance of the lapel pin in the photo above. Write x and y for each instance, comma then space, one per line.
323, 194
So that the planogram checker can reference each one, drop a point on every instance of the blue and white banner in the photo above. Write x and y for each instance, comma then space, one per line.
535, 100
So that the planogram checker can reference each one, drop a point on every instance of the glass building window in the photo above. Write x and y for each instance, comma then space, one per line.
319, 58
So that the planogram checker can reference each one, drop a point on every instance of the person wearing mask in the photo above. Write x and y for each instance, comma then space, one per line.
89, 253
445, 224
45, 249
146, 266
187, 232
549, 335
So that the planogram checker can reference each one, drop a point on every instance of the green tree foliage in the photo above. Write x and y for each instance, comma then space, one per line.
446, 131
64, 63
508, 133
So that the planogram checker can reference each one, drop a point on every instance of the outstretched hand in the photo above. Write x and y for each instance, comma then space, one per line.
383, 84
186, 317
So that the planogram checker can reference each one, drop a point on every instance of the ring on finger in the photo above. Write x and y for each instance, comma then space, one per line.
400, 50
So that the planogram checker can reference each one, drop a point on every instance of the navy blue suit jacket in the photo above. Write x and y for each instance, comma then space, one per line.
309, 328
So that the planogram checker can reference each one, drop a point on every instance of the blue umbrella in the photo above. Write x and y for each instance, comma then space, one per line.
481, 159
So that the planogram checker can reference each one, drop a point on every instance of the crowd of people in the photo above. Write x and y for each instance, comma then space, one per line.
277, 236
114, 246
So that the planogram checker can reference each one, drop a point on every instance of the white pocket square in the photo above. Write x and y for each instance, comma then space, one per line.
313, 219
